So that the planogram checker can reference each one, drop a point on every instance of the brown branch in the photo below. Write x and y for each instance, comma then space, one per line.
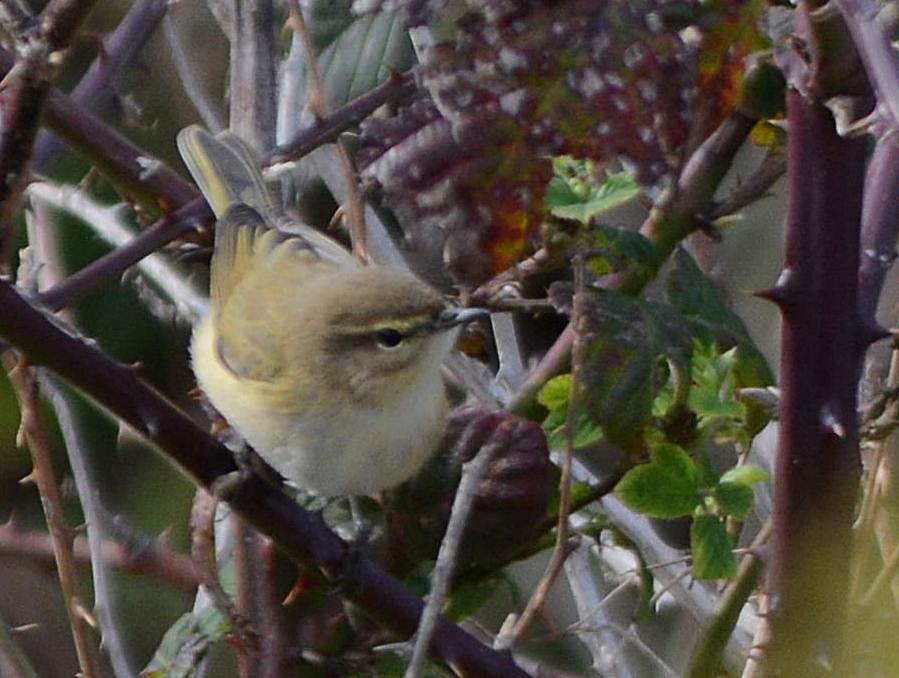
562, 548
318, 104
99, 85
817, 470
300, 533
32, 432
327, 129
158, 561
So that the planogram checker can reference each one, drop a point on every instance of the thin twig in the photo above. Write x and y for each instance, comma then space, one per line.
42, 236
100, 84
472, 474
185, 69
158, 561
194, 215
318, 103
883, 578
562, 547
189, 302
327, 129
202, 529
756, 186
32, 432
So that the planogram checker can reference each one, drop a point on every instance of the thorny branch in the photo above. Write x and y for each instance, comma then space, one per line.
32, 433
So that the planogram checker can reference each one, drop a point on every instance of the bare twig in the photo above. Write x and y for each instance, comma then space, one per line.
190, 303
202, 524
158, 561
874, 46
42, 236
472, 474
329, 128
318, 104
32, 432
562, 547
132, 169
492, 290
757, 185
208, 112
99, 86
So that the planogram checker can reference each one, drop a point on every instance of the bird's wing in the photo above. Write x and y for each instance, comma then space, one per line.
256, 272
228, 175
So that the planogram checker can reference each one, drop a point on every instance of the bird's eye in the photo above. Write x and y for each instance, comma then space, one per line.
388, 337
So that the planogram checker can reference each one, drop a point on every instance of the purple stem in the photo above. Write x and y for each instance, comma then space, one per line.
98, 86
817, 469
880, 225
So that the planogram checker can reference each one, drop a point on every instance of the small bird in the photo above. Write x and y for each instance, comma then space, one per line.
329, 368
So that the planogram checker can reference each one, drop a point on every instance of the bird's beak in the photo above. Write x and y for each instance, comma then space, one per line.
459, 316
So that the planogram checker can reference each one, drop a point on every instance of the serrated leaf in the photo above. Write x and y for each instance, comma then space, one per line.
745, 474
713, 555
628, 341
695, 296
581, 198
715, 325
555, 393
664, 488
586, 432
733, 498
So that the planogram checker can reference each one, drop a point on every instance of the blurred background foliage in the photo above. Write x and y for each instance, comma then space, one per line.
139, 484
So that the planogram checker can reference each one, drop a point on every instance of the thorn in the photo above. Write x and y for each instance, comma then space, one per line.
137, 366
25, 628
784, 289
776, 295
870, 331
832, 423
339, 215
300, 587
86, 615
30, 479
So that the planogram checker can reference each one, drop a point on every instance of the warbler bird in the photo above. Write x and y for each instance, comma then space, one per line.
329, 368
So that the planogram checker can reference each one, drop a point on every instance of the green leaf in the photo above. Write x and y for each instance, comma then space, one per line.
714, 324
469, 598
628, 344
745, 474
555, 393
186, 643
356, 53
713, 554
711, 321
733, 498
577, 196
666, 487
620, 248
